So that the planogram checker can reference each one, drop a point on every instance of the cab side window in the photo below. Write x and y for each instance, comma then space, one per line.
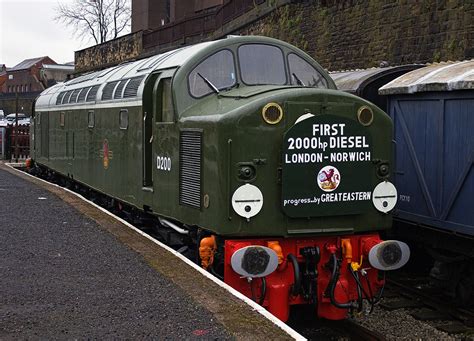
303, 73
62, 119
123, 119
167, 108
90, 119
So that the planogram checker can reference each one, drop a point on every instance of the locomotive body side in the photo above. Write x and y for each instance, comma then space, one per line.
246, 144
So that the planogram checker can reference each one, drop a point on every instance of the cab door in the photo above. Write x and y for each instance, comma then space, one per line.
156, 110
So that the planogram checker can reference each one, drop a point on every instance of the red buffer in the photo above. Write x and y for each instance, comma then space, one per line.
334, 273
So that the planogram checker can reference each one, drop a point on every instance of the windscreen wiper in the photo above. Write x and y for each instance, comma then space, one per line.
208, 82
300, 82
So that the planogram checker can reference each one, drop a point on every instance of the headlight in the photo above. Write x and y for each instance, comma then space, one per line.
389, 255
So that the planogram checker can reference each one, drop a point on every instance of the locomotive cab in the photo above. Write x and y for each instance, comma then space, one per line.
301, 169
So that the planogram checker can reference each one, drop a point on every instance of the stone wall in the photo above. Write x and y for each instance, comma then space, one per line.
349, 34
109, 54
339, 34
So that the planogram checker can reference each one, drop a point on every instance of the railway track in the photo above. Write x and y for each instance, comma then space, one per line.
320, 329
428, 306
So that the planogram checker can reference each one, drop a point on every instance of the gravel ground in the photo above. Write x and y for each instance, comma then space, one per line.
400, 325
63, 277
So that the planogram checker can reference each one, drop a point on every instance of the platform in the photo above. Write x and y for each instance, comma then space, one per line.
69, 270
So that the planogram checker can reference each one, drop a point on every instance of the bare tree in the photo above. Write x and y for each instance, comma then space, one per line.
100, 20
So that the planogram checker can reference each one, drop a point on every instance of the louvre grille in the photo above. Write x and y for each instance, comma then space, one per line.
92, 93
190, 148
131, 90
67, 96
60, 98
108, 90
82, 94
118, 91
74, 95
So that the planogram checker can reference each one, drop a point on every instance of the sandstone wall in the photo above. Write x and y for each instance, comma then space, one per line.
339, 34
109, 54
349, 34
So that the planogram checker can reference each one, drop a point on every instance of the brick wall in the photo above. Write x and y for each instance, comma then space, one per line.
23, 81
349, 34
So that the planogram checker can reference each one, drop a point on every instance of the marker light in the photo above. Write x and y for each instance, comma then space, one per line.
365, 115
272, 113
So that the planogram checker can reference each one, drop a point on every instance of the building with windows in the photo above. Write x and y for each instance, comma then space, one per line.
27, 79
151, 14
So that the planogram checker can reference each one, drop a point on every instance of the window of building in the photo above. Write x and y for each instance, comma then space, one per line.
62, 119
123, 119
303, 73
262, 64
217, 71
90, 119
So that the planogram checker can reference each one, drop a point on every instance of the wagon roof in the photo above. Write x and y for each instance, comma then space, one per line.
448, 76
354, 80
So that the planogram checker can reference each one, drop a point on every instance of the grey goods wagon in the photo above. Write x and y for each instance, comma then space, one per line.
433, 113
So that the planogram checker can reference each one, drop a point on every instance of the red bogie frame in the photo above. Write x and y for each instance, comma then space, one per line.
278, 297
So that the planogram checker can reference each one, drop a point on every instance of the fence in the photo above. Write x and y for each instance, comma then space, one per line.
3, 132
200, 24
15, 142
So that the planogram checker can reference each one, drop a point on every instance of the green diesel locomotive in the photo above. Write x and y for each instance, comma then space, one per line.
245, 146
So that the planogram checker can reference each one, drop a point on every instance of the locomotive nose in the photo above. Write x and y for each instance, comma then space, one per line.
389, 255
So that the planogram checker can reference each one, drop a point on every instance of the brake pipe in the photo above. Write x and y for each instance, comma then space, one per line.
332, 285
296, 287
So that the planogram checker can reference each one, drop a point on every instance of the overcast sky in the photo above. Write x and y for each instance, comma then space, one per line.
28, 30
